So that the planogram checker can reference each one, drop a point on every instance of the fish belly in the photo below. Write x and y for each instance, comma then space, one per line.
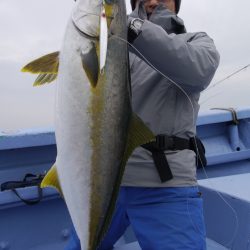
73, 130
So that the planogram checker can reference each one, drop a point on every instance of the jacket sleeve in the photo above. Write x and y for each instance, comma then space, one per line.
189, 59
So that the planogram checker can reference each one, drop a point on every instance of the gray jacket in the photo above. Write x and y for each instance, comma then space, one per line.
190, 60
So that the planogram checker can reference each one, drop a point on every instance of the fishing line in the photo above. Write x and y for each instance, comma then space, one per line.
193, 118
226, 202
221, 81
210, 97
196, 146
228, 77
189, 99
169, 79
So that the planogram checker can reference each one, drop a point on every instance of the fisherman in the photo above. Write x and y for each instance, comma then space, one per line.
159, 196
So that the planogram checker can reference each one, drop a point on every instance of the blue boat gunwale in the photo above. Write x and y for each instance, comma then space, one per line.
228, 153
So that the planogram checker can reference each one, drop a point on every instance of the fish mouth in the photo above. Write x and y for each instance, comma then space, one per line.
87, 18
93, 23
86, 22
85, 34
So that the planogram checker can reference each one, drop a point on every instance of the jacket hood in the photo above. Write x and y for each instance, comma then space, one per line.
177, 5
168, 20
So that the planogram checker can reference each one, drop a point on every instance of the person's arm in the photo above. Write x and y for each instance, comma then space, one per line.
189, 59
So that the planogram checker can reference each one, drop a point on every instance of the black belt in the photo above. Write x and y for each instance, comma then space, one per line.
157, 148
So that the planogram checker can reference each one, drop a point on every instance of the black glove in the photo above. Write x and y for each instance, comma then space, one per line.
134, 28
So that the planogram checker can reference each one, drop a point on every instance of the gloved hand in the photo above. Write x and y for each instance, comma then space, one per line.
129, 19
140, 13
168, 20
134, 28
131, 35
113, 28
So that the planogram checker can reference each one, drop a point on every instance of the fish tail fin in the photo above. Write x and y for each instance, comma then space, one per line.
51, 179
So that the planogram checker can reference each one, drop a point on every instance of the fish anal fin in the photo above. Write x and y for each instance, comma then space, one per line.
138, 134
51, 180
91, 66
45, 64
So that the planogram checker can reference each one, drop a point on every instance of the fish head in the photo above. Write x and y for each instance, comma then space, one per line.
86, 16
87, 13
101, 19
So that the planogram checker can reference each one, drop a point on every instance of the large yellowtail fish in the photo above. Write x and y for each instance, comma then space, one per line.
95, 128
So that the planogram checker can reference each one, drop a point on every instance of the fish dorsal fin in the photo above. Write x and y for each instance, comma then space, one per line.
46, 66
138, 134
90, 65
44, 78
51, 179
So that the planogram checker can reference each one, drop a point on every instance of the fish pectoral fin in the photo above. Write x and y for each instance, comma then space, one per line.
51, 180
46, 66
90, 65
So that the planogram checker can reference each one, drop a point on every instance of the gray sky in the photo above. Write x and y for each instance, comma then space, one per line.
31, 28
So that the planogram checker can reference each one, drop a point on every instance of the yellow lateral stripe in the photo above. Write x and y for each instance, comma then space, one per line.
96, 109
109, 12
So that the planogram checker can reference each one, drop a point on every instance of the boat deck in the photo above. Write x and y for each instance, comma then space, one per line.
46, 225
211, 245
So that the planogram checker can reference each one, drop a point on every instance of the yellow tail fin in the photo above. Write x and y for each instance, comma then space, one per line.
51, 180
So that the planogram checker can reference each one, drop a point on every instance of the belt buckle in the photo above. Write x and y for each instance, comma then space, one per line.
165, 142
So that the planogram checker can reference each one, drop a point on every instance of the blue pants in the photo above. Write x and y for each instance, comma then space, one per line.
161, 218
